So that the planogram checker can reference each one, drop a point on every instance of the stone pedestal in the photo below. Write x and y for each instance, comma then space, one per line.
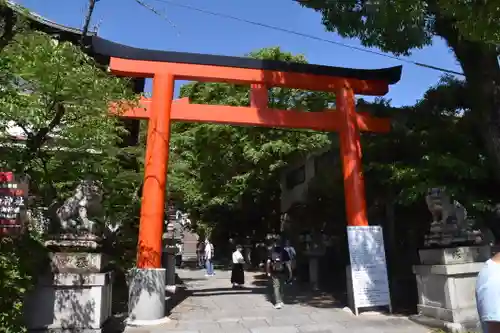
70, 301
446, 283
146, 297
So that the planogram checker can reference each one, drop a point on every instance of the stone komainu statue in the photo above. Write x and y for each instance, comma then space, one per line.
443, 210
75, 211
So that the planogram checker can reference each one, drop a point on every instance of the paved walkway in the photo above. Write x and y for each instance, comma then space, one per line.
213, 306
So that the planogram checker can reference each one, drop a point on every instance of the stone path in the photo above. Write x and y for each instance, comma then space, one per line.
213, 306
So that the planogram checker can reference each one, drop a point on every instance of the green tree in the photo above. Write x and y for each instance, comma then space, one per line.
433, 143
223, 172
59, 98
471, 29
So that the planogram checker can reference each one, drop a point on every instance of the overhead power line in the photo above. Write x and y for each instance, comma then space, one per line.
292, 32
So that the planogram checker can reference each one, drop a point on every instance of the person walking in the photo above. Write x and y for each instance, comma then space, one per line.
488, 295
238, 274
248, 251
277, 271
200, 254
209, 255
290, 264
178, 254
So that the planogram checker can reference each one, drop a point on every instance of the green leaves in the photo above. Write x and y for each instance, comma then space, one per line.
476, 20
391, 25
61, 90
58, 98
434, 145
398, 26
223, 165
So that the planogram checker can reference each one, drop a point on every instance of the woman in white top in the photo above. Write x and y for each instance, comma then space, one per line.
238, 274
209, 255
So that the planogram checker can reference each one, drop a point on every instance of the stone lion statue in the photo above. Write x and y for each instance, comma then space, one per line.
443, 210
75, 211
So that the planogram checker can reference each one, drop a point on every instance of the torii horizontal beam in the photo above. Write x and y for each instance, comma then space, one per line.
329, 120
165, 67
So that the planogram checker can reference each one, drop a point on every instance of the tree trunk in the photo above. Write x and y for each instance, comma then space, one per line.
9, 20
479, 62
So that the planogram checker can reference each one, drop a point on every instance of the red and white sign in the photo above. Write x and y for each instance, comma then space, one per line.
12, 204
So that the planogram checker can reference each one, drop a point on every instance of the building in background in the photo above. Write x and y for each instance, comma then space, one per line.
296, 177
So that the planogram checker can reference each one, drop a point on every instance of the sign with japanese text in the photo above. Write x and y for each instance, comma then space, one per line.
12, 204
368, 267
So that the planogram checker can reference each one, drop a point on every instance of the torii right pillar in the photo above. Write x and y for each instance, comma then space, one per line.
350, 150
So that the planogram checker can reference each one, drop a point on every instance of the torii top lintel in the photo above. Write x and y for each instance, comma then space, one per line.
160, 110
136, 62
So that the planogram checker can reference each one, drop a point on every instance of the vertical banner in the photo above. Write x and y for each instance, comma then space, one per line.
368, 267
12, 204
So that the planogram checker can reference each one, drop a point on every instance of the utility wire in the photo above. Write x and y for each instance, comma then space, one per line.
292, 32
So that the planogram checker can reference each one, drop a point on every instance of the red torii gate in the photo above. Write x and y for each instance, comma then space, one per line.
166, 67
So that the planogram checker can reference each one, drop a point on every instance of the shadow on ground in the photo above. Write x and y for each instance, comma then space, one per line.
335, 295
300, 293
227, 291
193, 266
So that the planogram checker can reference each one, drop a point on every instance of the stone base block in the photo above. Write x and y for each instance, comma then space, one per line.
445, 325
447, 292
146, 297
74, 262
455, 255
70, 302
467, 316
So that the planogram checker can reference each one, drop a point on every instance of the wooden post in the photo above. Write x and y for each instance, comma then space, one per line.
155, 173
350, 149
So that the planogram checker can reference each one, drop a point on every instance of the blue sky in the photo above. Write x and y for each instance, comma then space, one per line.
126, 22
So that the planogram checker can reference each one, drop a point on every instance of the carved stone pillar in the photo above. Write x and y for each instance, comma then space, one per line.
77, 291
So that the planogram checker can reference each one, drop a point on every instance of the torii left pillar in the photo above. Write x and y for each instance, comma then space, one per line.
147, 283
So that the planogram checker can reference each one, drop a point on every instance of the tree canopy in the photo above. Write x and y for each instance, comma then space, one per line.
216, 167
56, 98
399, 26
471, 29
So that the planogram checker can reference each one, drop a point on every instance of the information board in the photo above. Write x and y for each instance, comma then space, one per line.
368, 267
12, 204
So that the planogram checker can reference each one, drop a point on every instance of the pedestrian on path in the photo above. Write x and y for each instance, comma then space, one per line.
209, 255
488, 295
248, 251
238, 274
200, 254
277, 271
290, 264
178, 255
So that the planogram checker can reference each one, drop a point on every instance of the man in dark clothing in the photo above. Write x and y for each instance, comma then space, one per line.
200, 254
276, 268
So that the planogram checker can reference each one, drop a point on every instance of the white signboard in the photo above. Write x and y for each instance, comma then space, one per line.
368, 267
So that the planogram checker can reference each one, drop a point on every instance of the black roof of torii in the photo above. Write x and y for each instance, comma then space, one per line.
111, 49
102, 49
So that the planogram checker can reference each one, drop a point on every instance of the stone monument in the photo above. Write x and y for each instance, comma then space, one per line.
75, 295
453, 255
450, 225
315, 250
